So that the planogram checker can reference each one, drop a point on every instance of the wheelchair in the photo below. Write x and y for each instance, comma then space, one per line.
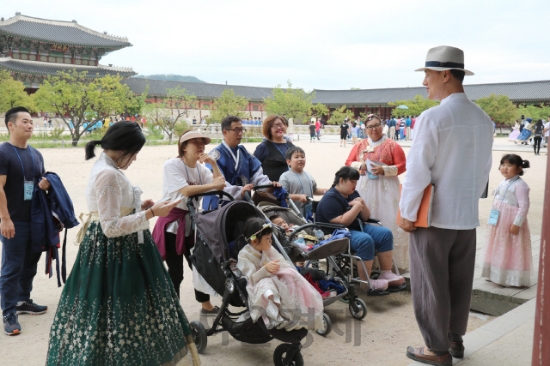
350, 264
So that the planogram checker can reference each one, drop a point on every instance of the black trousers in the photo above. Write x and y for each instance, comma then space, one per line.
175, 265
536, 144
442, 274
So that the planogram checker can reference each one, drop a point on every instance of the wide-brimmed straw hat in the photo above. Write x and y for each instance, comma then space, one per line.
445, 58
194, 135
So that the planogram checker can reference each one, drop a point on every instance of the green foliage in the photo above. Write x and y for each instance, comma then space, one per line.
75, 97
57, 133
292, 103
499, 108
228, 104
168, 114
339, 114
416, 106
534, 112
13, 94
320, 110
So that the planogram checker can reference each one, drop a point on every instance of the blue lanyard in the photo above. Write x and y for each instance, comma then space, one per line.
505, 191
21, 161
310, 185
187, 172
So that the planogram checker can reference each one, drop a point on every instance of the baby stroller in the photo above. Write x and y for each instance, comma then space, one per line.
328, 251
214, 257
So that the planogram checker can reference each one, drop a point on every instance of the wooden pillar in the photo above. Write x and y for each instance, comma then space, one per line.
541, 341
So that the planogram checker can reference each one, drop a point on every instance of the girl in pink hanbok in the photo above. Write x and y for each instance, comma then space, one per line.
277, 293
508, 260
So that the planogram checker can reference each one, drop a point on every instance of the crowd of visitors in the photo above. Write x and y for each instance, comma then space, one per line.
119, 304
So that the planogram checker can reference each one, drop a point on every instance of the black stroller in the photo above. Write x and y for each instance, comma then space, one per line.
214, 257
328, 252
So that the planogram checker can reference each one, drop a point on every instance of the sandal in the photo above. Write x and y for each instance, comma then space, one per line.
214, 311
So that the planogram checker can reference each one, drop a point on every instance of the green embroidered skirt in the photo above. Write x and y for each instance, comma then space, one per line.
119, 307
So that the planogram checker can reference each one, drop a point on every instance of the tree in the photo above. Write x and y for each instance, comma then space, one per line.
534, 112
416, 106
75, 97
168, 114
499, 108
13, 94
292, 103
339, 114
228, 104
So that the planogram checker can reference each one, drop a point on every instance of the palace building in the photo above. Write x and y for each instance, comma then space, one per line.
33, 48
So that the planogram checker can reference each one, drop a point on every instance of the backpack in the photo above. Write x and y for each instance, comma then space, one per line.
538, 131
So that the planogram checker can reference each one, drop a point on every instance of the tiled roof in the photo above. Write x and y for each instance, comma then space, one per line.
200, 90
61, 32
529, 91
44, 68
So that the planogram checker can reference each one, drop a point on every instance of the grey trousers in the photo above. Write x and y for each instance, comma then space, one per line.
442, 272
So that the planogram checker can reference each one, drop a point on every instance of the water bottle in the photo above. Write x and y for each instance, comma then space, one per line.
319, 234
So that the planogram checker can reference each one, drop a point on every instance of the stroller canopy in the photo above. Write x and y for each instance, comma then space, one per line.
220, 227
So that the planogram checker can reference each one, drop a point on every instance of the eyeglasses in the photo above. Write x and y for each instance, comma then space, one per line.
278, 125
237, 130
374, 126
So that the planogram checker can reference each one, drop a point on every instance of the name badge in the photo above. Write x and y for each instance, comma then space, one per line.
493, 217
28, 187
308, 210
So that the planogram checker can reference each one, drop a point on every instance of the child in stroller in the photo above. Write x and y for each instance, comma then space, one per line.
277, 292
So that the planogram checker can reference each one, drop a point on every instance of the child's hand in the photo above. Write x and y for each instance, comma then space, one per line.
514, 230
272, 266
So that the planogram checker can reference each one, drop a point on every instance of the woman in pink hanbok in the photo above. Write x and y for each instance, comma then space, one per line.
515, 132
508, 261
380, 161
277, 293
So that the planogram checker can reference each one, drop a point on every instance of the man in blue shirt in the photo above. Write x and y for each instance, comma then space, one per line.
242, 170
21, 168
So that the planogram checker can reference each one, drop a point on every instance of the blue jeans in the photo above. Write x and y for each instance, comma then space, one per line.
19, 265
373, 237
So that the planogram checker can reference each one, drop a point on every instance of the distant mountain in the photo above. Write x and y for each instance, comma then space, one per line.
171, 77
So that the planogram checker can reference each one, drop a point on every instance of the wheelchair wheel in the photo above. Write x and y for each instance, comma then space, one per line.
358, 308
198, 332
281, 352
327, 326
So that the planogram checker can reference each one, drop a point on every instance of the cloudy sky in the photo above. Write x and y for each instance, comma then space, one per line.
320, 44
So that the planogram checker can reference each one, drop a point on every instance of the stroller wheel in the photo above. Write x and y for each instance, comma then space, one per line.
358, 308
199, 335
327, 326
281, 353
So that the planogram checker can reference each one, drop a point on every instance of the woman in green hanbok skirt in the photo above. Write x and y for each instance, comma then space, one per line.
119, 306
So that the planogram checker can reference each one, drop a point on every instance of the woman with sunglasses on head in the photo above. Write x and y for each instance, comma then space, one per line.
380, 160
271, 152
118, 306
183, 177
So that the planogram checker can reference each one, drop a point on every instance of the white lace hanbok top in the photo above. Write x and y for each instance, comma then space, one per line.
514, 192
111, 195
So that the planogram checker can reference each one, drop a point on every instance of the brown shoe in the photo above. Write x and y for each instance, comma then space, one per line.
417, 354
457, 349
